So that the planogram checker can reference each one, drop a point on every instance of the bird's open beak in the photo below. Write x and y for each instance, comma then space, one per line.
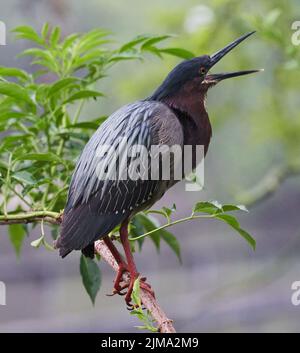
216, 57
214, 78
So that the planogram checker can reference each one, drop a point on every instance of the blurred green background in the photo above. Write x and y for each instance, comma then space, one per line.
221, 285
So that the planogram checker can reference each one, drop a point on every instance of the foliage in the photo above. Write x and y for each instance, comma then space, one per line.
147, 226
43, 135
91, 276
137, 311
41, 111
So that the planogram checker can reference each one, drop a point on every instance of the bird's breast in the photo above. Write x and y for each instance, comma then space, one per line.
197, 133
191, 112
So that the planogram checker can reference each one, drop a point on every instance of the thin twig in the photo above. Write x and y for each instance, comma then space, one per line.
78, 112
19, 195
170, 224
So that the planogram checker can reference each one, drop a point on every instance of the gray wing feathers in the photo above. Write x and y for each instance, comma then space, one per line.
96, 204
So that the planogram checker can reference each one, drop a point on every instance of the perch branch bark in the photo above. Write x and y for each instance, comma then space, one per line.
165, 325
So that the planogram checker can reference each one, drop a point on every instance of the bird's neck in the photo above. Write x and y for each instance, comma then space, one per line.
190, 99
192, 105
189, 106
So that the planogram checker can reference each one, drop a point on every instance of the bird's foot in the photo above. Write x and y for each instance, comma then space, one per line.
146, 286
143, 285
118, 288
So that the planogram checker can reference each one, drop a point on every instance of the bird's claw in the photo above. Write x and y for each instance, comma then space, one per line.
143, 285
120, 289
146, 286
114, 292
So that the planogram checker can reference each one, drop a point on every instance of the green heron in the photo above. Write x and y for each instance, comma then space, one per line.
174, 114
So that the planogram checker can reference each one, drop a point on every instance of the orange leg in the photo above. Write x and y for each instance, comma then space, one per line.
131, 264
123, 267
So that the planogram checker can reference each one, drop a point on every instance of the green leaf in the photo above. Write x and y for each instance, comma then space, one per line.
137, 229
27, 32
91, 40
150, 328
10, 141
217, 204
153, 50
149, 225
86, 59
5, 115
93, 124
43, 58
3, 164
17, 234
14, 72
165, 211
60, 195
62, 84
135, 295
54, 232
91, 276
45, 30
129, 45
159, 212
38, 242
232, 221
54, 37
69, 41
125, 56
143, 316
206, 207
83, 95
178, 52
47, 157
15, 91
24, 177
171, 240
228, 208
229, 219
40, 182
155, 237
42, 241
168, 211
47, 245
155, 39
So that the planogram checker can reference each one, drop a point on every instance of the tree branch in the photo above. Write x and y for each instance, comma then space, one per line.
30, 217
164, 324
268, 185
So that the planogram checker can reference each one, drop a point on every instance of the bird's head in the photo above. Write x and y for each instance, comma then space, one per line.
194, 75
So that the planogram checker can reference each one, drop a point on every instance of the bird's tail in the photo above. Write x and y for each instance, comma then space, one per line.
88, 251
80, 228
63, 252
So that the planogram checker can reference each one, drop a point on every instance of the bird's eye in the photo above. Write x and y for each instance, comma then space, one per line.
202, 70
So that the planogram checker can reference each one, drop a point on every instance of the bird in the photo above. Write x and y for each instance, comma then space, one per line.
174, 114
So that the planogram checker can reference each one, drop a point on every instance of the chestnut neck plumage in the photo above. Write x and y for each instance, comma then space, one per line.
189, 105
